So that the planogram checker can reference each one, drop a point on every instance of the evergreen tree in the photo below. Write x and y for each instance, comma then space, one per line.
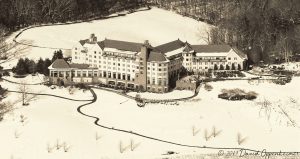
40, 66
27, 63
215, 67
227, 67
57, 55
47, 63
221, 67
233, 66
31, 67
20, 69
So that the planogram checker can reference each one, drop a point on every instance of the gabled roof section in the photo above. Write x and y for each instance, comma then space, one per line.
120, 45
156, 56
173, 45
59, 63
82, 42
101, 44
240, 53
211, 48
187, 47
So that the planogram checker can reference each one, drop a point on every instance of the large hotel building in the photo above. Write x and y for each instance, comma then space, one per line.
140, 65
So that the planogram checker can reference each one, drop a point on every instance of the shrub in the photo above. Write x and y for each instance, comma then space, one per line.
5, 73
215, 67
221, 67
233, 66
237, 94
81, 86
208, 87
227, 67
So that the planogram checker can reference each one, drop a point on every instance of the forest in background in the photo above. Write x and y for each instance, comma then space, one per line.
15, 14
267, 30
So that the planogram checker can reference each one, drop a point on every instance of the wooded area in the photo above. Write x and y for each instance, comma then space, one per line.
19, 13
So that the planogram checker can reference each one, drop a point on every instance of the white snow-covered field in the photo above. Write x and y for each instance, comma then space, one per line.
49, 119
176, 94
49, 126
156, 25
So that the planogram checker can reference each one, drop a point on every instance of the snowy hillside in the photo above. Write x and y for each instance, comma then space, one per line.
156, 25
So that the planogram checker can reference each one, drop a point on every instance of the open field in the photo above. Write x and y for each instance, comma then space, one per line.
49, 119
156, 25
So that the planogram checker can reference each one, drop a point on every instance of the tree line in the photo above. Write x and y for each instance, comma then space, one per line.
16, 14
26, 66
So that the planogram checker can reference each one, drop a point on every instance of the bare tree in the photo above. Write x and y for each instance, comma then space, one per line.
23, 88
11, 50
4, 108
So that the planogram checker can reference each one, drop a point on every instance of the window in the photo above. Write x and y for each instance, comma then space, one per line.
128, 77
235, 58
229, 58
159, 81
78, 74
84, 74
90, 73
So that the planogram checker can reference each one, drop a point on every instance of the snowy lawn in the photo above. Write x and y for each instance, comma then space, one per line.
176, 94
67, 92
175, 123
48, 120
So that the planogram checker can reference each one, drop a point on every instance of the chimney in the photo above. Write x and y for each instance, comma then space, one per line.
93, 38
146, 43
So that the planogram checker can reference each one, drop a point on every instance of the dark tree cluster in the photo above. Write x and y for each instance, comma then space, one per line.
26, 66
16, 14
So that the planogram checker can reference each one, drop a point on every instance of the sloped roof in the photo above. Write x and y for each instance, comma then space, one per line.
60, 63
240, 53
82, 42
79, 66
156, 56
173, 45
211, 48
187, 47
121, 45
